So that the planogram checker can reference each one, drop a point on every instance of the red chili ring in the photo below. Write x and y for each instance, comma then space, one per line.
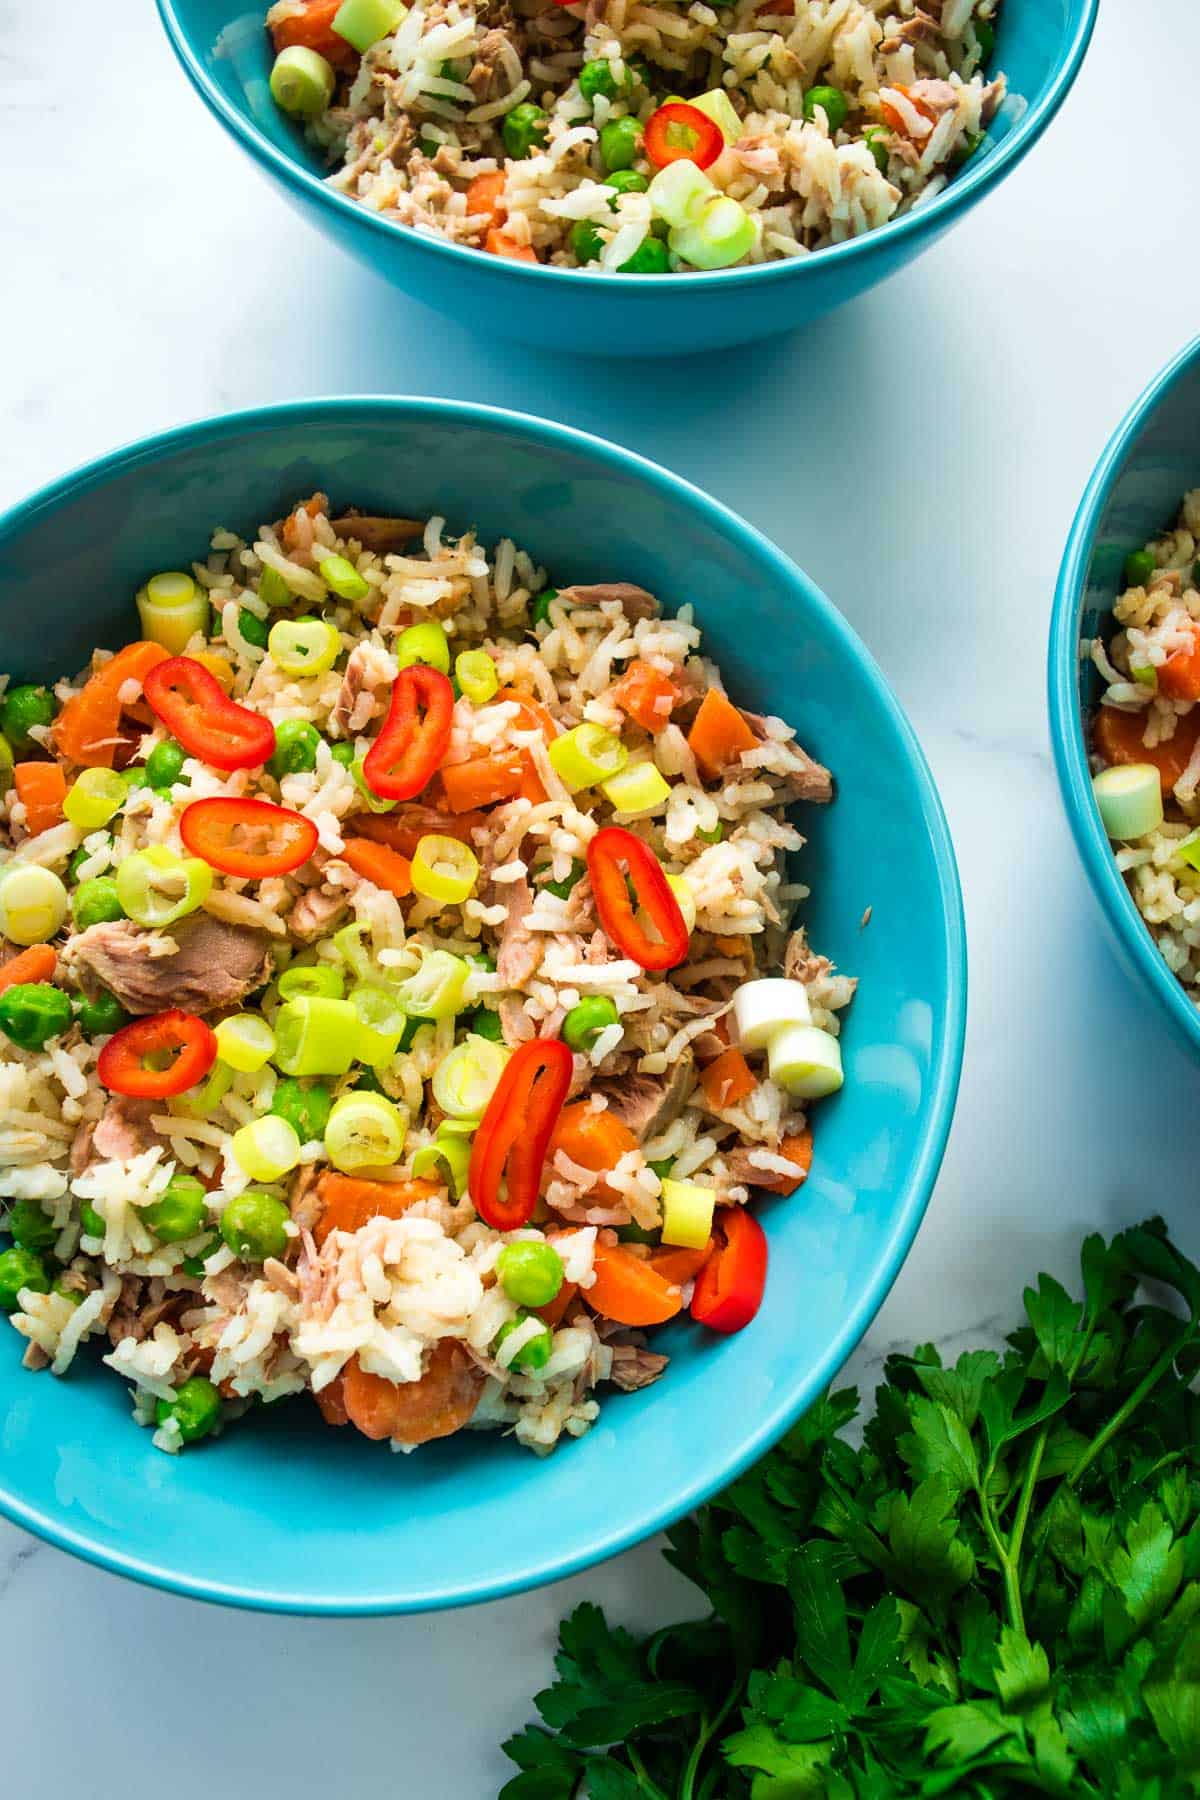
611, 853
199, 714
412, 742
209, 829
122, 1064
514, 1133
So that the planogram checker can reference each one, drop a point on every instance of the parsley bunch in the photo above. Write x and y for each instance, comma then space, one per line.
997, 1594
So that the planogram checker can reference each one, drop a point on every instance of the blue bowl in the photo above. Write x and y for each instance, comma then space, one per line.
224, 49
1151, 462
281, 1513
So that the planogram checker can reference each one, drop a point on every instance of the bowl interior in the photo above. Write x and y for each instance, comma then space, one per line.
228, 47
280, 1513
1153, 459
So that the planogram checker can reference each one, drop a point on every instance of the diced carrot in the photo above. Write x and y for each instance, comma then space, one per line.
486, 195
628, 1290
895, 119
732, 946
483, 780
552, 1313
1118, 739
719, 734
1179, 676
797, 1149
403, 829
38, 963
313, 29
646, 695
532, 715
332, 1402
413, 1412
678, 1265
349, 1201
376, 862
88, 729
727, 1079
594, 1140
41, 789
499, 243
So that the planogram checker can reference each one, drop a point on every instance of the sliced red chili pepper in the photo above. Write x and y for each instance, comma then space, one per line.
729, 1288
678, 132
613, 853
514, 1134
155, 1057
247, 837
412, 742
198, 713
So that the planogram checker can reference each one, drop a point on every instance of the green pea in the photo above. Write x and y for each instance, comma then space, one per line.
586, 244
306, 1109
1139, 567
530, 1273
625, 181
21, 1269
662, 1168
539, 612
524, 130
195, 1408
584, 1023
650, 258
29, 1227
77, 860
180, 1210
89, 1218
20, 710
833, 104
985, 31
296, 744
533, 1355
341, 753
194, 1265
254, 1225
64, 1292
965, 149
873, 138
33, 1012
597, 77
252, 628
715, 835
95, 902
100, 1015
620, 141
485, 1023
164, 765
563, 888
482, 959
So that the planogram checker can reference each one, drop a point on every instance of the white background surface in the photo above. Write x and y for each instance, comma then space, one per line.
921, 454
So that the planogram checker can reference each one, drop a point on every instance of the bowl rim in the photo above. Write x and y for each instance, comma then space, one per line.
654, 1514
1066, 725
954, 199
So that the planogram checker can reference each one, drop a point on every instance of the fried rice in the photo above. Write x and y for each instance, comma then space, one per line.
400, 1303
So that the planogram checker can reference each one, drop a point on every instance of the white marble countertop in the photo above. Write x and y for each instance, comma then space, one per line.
144, 288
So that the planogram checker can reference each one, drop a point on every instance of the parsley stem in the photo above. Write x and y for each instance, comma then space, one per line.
643, 1776
708, 1730
1121, 1417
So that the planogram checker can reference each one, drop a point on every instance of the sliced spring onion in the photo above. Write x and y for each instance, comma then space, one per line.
465, 1079
7, 764
681, 887
450, 1153
423, 643
373, 800
156, 887
587, 755
640, 788
199, 1102
721, 234
717, 106
438, 988
1146, 675
246, 1042
365, 1131
381, 1021
678, 192
266, 1148
363, 22
93, 797
805, 1061
444, 869
1188, 851
687, 1214
33, 904
1130, 800
761, 1008
349, 946
343, 578
303, 646
302, 82
273, 590
476, 675
172, 609
316, 1036
304, 979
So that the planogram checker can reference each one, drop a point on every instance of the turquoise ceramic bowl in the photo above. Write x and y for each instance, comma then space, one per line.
225, 51
282, 1513
1151, 462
